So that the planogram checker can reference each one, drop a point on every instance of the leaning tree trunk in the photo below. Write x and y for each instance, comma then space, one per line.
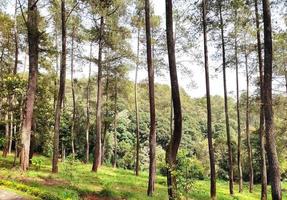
98, 152
239, 164
137, 108
33, 40
230, 162
263, 169
176, 136
249, 148
61, 92
208, 106
152, 134
268, 110
73, 96
88, 109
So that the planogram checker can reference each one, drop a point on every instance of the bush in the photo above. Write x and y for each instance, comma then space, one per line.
37, 162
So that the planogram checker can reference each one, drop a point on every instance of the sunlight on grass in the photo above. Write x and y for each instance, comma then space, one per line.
108, 182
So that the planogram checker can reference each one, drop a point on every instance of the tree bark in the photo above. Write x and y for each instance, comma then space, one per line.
208, 106
33, 41
137, 167
152, 134
88, 109
106, 114
177, 130
239, 164
268, 110
249, 148
11, 128
230, 162
6, 146
263, 169
16, 39
115, 124
61, 91
73, 96
98, 152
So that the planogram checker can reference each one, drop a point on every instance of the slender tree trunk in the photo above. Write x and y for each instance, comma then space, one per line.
115, 124
98, 152
152, 134
268, 110
106, 114
33, 40
14, 72
286, 78
208, 106
263, 169
73, 96
230, 162
61, 91
88, 109
239, 164
11, 128
6, 146
16, 39
175, 139
137, 167
249, 148
63, 152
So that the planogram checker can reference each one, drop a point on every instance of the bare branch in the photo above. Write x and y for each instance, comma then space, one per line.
22, 12
71, 11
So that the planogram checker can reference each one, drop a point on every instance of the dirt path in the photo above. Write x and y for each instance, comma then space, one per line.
7, 195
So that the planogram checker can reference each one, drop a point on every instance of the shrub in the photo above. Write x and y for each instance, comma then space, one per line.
37, 162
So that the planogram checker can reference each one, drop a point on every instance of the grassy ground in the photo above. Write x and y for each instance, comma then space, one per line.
76, 180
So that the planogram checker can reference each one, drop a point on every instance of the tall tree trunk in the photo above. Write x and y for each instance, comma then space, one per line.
137, 167
61, 91
98, 152
175, 139
6, 146
208, 106
16, 39
239, 164
263, 169
106, 114
115, 124
152, 134
249, 148
106, 123
268, 110
88, 108
56, 70
33, 40
11, 128
73, 96
230, 162
286, 79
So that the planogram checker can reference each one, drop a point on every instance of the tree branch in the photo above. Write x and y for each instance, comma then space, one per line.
22, 12
34, 4
71, 11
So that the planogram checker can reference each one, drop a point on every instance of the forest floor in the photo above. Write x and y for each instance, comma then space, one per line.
76, 181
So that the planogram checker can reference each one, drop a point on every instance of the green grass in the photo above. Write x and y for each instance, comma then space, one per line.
77, 180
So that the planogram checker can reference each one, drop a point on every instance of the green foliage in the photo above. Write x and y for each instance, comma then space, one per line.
30, 190
37, 162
